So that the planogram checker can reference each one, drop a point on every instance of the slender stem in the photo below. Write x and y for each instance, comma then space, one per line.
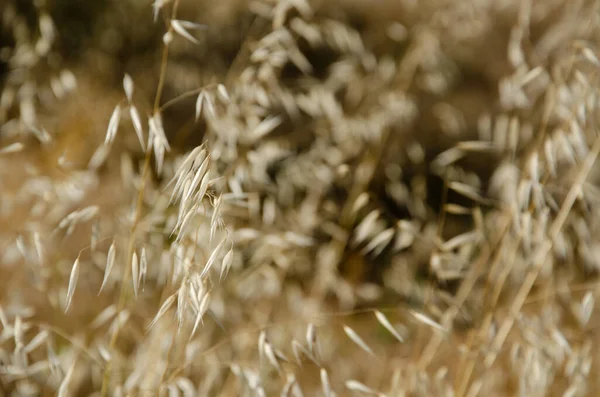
162, 77
138, 209
127, 274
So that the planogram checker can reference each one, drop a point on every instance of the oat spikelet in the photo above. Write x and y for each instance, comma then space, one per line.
110, 261
63, 390
327, 391
137, 125
199, 103
216, 252
354, 385
104, 316
72, 283
586, 308
265, 127
128, 86
180, 27
428, 321
36, 341
223, 94
270, 354
113, 125
311, 339
201, 311
163, 309
143, 268
135, 273
12, 148
297, 348
226, 265
387, 325
358, 340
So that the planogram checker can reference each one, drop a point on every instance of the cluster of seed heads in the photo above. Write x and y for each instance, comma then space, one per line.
378, 200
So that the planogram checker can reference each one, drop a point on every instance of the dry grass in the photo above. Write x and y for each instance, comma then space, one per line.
299, 198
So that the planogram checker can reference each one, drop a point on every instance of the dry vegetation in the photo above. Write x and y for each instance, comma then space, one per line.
299, 198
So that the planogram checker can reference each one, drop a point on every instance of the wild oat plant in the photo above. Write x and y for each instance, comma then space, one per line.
299, 198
